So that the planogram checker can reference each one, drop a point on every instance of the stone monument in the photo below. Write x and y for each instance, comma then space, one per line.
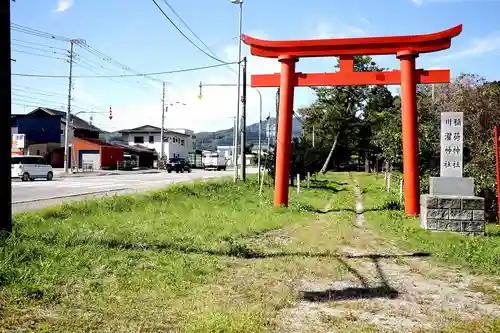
451, 204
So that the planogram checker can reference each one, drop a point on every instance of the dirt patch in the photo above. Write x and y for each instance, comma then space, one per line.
386, 289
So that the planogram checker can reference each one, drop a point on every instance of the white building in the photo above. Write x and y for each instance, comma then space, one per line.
179, 142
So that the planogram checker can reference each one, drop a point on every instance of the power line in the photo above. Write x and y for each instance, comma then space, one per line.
187, 38
38, 93
38, 54
84, 45
38, 33
38, 44
125, 75
30, 89
37, 49
107, 58
192, 32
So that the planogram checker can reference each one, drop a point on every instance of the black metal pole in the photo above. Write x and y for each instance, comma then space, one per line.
6, 107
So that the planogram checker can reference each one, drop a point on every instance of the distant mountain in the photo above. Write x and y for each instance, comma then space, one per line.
210, 140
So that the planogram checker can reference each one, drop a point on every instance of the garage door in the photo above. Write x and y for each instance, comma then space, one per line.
91, 156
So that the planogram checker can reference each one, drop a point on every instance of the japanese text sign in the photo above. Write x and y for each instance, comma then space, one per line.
452, 142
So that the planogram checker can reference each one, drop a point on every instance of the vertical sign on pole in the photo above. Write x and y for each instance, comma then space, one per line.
452, 141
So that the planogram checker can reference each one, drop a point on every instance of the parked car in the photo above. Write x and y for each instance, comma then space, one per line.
30, 168
178, 165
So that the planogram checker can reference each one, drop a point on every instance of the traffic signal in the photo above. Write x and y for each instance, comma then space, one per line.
110, 113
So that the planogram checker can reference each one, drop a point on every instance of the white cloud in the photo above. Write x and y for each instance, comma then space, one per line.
417, 2
476, 47
64, 5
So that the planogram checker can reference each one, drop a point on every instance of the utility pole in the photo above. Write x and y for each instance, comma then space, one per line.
6, 106
162, 131
244, 121
68, 111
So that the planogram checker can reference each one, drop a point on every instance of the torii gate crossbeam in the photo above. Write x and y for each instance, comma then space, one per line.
406, 49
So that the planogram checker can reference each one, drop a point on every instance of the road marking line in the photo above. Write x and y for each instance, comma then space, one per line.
106, 185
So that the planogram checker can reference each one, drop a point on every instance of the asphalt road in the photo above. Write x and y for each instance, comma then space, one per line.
39, 194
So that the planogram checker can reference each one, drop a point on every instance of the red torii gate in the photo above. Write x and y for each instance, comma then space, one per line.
406, 49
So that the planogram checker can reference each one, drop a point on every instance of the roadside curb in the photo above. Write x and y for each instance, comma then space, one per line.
69, 196
102, 174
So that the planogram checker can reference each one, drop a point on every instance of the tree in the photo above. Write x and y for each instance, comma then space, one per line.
335, 114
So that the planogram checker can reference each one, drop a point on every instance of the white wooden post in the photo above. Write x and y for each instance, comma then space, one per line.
308, 179
298, 183
401, 192
388, 182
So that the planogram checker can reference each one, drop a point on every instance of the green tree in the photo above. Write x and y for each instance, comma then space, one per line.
334, 114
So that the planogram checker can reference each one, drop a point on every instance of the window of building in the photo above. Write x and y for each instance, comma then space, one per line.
62, 132
151, 139
138, 139
182, 142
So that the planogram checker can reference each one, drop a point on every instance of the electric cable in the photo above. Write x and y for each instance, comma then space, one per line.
125, 75
187, 38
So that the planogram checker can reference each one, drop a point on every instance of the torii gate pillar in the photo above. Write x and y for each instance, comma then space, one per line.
283, 152
406, 49
411, 175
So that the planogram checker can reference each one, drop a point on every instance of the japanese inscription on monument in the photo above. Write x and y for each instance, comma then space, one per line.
452, 142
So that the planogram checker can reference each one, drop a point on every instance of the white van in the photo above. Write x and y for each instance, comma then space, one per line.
213, 161
30, 168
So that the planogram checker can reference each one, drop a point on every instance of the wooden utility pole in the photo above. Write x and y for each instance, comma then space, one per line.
6, 106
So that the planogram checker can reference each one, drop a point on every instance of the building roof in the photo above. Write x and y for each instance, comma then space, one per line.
135, 148
142, 129
77, 122
150, 129
98, 142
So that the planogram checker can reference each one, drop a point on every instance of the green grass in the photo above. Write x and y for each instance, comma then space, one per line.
129, 263
477, 254
204, 257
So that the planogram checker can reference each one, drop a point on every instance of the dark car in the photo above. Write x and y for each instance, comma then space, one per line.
178, 165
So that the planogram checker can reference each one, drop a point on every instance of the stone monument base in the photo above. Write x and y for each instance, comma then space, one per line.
462, 214
451, 186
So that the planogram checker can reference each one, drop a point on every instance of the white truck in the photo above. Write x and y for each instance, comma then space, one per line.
213, 161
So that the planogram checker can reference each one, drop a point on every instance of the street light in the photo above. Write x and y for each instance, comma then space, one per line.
200, 96
236, 131
162, 130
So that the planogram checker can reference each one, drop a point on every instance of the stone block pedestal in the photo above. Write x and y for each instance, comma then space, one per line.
462, 214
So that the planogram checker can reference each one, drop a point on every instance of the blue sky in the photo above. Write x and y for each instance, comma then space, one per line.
136, 34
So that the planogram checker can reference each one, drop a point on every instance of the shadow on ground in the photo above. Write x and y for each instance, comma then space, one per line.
365, 291
383, 290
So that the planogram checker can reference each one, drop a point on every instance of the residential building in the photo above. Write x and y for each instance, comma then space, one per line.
177, 142
41, 133
96, 153
78, 127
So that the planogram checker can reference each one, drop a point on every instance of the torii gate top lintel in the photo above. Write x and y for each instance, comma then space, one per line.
423, 43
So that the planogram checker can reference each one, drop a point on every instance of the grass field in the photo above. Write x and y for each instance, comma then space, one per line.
478, 254
213, 257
